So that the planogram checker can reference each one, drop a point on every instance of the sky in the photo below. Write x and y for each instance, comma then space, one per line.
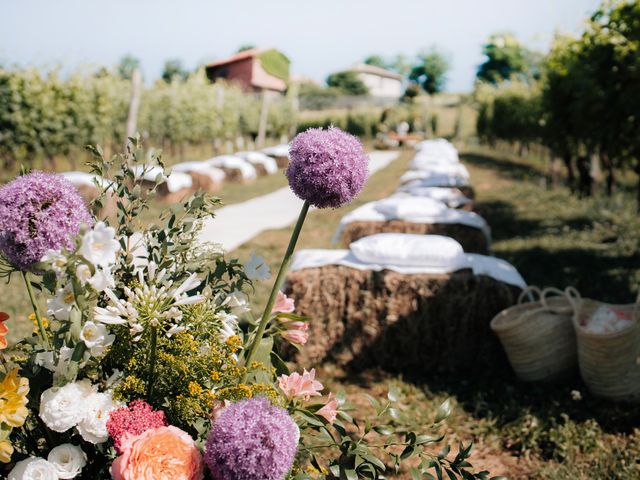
319, 37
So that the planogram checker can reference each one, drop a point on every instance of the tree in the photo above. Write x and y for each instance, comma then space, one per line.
348, 82
173, 69
376, 61
506, 56
127, 65
244, 47
430, 70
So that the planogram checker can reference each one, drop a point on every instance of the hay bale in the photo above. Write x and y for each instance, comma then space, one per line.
467, 191
473, 240
164, 194
282, 161
204, 183
90, 192
400, 322
261, 170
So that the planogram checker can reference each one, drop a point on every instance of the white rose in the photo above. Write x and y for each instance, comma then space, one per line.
238, 302
93, 427
33, 468
69, 460
62, 408
96, 337
101, 280
99, 245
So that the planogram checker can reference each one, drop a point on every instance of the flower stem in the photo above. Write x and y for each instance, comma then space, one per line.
153, 343
286, 260
36, 310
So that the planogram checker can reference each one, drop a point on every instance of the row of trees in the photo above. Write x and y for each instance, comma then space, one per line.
581, 100
46, 115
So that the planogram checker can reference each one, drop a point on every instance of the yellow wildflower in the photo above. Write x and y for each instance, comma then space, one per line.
34, 320
6, 450
234, 343
13, 399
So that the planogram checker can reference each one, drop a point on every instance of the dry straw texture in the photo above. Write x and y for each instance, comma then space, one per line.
472, 239
400, 322
538, 338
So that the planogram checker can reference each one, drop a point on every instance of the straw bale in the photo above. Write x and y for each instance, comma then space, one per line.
410, 323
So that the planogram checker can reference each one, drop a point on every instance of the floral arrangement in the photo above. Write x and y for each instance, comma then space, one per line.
148, 364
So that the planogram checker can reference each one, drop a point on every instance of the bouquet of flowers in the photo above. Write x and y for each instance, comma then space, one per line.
146, 363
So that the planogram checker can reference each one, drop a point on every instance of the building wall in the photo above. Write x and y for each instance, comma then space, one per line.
239, 72
381, 86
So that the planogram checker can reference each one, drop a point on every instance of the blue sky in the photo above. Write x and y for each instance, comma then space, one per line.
318, 36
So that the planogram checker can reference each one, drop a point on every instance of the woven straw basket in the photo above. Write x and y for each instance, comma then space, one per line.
609, 362
538, 336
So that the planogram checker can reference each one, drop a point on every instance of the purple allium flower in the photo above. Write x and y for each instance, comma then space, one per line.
38, 212
328, 168
251, 440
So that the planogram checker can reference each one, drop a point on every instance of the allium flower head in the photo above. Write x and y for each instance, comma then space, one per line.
250, 440
39, 212
328, 168
135, 419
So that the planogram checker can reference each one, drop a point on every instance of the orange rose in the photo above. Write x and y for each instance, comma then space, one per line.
3, 330
163, 453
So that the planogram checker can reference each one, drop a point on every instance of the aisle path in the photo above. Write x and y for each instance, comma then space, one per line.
239, 223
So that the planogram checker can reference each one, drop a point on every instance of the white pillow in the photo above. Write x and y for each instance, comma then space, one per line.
410, 250
407, 208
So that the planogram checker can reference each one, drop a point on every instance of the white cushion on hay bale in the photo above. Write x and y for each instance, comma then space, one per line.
439, 180
426, 161
280, 153
85, 183
171, 188
205, 177
404, 302
264, 164
236, 168
451, 197
439, 146
415, 215
453, 170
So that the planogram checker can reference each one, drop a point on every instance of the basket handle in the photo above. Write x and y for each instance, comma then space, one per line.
571, 294
530, 292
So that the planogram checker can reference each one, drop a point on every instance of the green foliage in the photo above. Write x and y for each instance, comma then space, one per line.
348, 83
173, 70
275, 63
430, 70
506, 57
127, 65
376, 61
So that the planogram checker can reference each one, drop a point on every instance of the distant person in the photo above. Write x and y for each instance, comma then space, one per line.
584, 173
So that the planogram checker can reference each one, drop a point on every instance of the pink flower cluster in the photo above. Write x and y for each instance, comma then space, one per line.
283, 304
134, 419
306, 386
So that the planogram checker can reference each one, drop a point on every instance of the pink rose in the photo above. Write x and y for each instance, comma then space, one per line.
163, 452
297, 332
283, 304
304, 386
330, 409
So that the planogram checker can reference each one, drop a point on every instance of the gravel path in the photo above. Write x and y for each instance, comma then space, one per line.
239, 223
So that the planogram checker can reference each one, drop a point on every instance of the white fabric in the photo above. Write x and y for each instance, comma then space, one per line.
496, 268
451, 197
216, 174
175, 182
247, 171
427, 161
481, 265
438, 147
259, 158
407, 250
447, 168
236, 224
281, 150
83, 178
456, 170
414, 210
609, 319
435, 180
